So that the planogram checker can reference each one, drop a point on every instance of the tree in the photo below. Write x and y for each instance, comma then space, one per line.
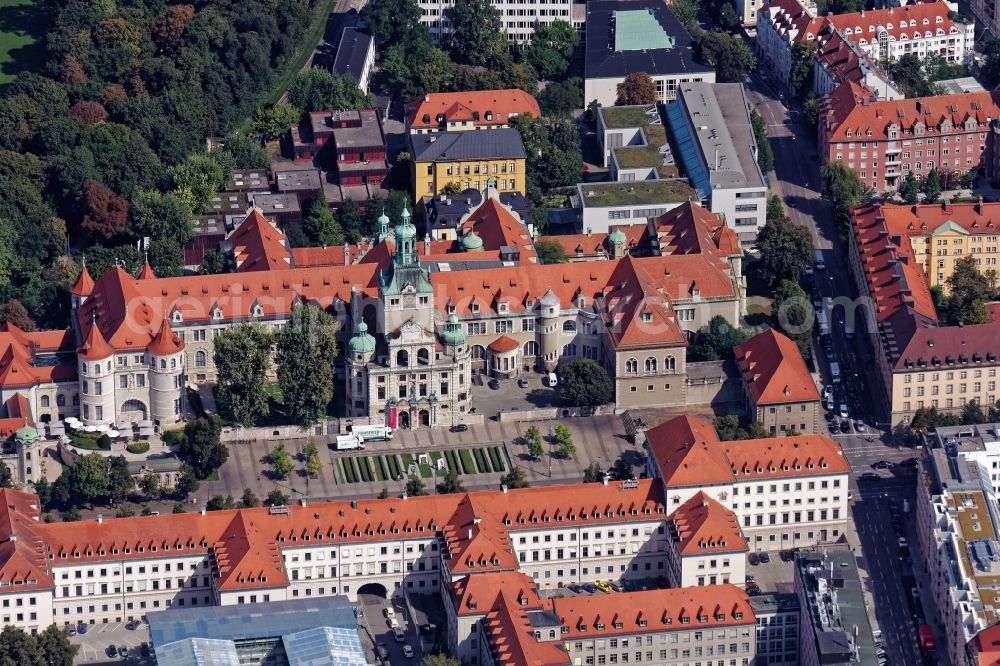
564, 441
272, 122
972, 413
276, 498
968, 292
439, 660
560, 99
841, 185
990, 69
636, 88
775, 209
621, 470
477, 22
306, 349
786, 249
686, 12
6, 478
801, 72
586, 383
352, 222
201, 447
103, 214
280, 461
320, 225
732, 58
89, 113
18, 648
550, 251
715, 340
793, 313
809, 111
593, 474
765, 158
415, 486
249, 499
149, 484
319, 89
450, 484
515, 479
55, 647
213, 263
218, 503
14, 312
120, 481
125, 511
160, 216
187, 482
392, 21
246, 151
242, 359
909, 190
169, 27
313, 466
88, 477
179, 507
932, 186
551, 49
728, 428
200, 176
533, 438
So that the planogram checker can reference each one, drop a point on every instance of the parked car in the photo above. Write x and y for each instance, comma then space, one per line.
882, 464
461, 427
591, 588
909, 462
764, 558
494, 384
603, 587
578, 589
133, 625
615, 586
843, 411
398, 634
389, 612
750, 579
860, 426
754, 559
123, 651
869, 476
827, 392
144, 650
845, 426
82, 627
112, 651
523, 383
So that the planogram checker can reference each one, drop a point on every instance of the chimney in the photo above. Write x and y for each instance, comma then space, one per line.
503, 487
203, 510
470, 534
604, 478
427, 98
100, 518
427, 244
303, 502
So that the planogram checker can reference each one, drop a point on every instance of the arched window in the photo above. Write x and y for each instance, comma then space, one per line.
45, 401
569, 326
530, 348
83, 368
173, 363
423, 357
478, 352
402, 358
670, 363
200, 359
569, 350
632, 366
650, 364
60, 400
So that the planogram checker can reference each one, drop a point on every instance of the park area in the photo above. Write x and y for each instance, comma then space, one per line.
22, 29
392, 466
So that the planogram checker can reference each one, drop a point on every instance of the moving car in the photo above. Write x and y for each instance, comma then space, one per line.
389, 613
522, 382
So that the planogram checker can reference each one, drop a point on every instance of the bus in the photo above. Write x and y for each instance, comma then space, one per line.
372, 433
926, 638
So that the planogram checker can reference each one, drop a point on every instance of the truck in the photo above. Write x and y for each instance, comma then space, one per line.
349, 443
835, 371
926, 635
372, 433
824, 324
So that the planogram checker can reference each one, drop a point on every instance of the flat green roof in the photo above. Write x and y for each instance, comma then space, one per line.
619, 117
638, 29
638, 157
639, 193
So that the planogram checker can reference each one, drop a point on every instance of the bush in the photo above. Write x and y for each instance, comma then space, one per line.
104, 442
138, 447
173, 437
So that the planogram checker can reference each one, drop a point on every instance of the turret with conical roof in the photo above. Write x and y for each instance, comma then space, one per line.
147, 271
96, 376
166, 375
84, 286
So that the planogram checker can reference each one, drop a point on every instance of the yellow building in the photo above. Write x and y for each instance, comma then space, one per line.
941, 234
468, 159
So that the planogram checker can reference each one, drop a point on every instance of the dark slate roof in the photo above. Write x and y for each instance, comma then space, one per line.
471, 145
351, 53
445, 211
602, 61
337, 22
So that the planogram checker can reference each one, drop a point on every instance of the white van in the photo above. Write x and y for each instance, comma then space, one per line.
552, 380
835, 371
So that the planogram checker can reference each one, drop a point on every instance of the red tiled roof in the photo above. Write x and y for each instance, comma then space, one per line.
95, 347
790, 18
22, 558
774, 370
504, 344
851, 109
994, 310
691, 229
687, 452
909, 20
949, 347
17, 349
476, 595
987, 645
461, 105
147, 272
704, 526
512, 637
497, 227
166, 341
84, 283
258, 245
682, 609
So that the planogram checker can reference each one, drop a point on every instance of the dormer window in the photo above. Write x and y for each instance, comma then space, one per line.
502, 308
599, 626
216, 313
475, 307
177, 317
257, 311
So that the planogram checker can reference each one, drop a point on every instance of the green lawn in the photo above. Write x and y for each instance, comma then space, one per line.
467, 465
23, 26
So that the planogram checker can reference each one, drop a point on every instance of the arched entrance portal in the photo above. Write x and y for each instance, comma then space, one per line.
404, 419
134, 410
425, 418
374, 589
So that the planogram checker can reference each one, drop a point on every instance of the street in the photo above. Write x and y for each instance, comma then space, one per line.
877, 504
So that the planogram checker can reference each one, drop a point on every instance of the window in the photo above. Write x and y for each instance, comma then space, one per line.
200, 359
650, 364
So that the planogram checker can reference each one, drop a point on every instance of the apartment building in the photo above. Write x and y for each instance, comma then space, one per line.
918, 362
978, 443
779, 391
786, 492
834, 626
710, 124
885, 141
493, 158
777, 628
468, 110
957, 521
705, 544
519, 18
